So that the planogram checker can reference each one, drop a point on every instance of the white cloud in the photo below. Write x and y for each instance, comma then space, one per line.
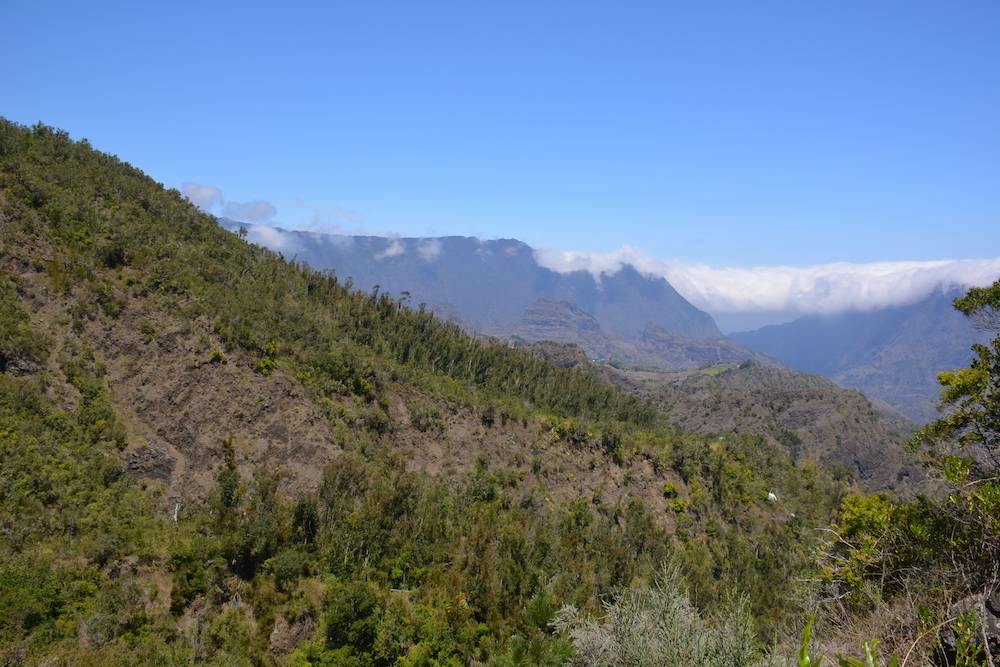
323, 223
338, 241
824, 288
208, 197
251, 211
395, 248
271, 237
429, 249
205, 197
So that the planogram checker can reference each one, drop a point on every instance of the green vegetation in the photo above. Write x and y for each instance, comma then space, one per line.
660, 626
377, 563
941, 547
20, 347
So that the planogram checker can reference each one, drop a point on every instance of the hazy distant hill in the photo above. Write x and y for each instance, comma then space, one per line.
893, 354
486, 283
497, 287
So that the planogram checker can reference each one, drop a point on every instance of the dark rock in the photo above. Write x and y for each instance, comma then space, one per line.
150, 463
985, 607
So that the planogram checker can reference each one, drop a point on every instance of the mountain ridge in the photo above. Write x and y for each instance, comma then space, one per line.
487, 282
809, 414
890, 354
564, 322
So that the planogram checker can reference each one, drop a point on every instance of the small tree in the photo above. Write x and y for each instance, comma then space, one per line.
971, 401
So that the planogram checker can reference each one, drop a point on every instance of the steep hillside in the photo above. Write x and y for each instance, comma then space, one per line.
487, 283
213, 455
892, 354
807, 415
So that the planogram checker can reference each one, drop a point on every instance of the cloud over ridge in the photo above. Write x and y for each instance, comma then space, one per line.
795, 290
393, 249
823, 288
209, 197
203, 196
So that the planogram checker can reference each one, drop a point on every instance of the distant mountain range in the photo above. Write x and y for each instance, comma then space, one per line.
893, 354
627, 317
627, 328
488, 283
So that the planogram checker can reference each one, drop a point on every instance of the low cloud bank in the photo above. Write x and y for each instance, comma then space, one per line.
429, 249
824, 288
307, 243
785, 290
273, 238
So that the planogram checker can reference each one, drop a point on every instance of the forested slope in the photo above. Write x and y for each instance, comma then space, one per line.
214, 455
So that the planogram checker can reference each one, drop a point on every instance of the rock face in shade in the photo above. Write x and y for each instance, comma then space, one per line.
488, 283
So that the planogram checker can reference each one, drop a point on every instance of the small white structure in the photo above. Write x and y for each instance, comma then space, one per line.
771, 498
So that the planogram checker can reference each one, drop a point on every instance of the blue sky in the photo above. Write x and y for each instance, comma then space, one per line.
734, 134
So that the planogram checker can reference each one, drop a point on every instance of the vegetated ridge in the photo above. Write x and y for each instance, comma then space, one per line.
808, 415
215, 455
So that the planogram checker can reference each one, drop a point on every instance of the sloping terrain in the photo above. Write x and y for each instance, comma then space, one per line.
809, 415
213, 455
